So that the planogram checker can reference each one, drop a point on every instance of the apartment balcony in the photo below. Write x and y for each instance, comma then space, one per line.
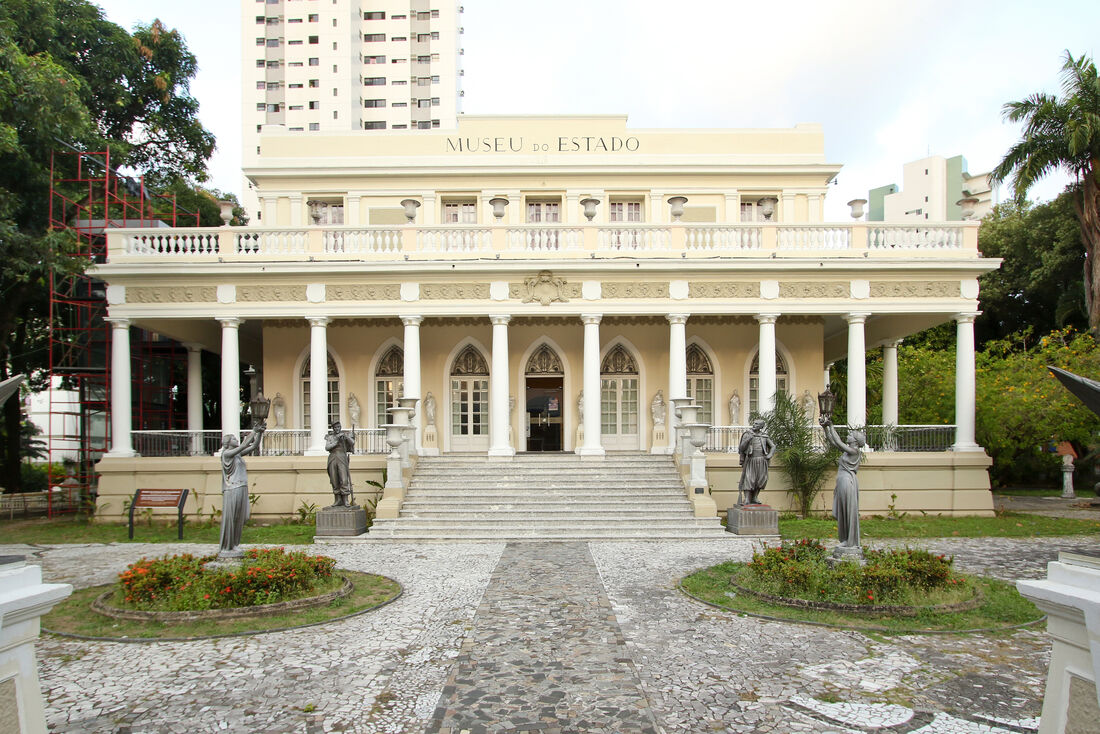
539, 241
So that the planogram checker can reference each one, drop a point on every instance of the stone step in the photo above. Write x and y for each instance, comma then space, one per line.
475, 534
594, 487
495, 514
520, 502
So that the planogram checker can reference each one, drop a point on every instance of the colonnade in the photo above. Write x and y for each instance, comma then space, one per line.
499, 388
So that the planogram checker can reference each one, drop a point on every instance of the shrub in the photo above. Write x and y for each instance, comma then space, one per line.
805, 465
179, 582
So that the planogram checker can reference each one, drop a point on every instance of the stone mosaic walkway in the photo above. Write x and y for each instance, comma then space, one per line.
550, 637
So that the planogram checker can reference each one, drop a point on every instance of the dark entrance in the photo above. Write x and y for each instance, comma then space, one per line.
544, 413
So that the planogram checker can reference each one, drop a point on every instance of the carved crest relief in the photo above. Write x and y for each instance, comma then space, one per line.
544, 361
545, 288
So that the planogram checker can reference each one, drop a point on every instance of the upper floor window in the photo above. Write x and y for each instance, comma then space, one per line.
625, 211
374, 37
459, 212
375, 15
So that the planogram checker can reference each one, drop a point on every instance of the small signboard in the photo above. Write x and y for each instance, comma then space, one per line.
159, 498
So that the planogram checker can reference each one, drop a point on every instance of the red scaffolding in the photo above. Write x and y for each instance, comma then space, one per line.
88, 197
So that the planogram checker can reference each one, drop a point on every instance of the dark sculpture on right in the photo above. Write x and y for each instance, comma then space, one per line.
846, 494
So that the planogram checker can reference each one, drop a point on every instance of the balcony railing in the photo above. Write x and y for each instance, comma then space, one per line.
908, 438
412, 242
275, 442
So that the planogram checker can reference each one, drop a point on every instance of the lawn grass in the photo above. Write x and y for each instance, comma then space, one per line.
75, 617
1004, 525
45, 531
1002, 607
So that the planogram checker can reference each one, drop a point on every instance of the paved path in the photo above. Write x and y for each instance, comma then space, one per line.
528, 637
1081, 508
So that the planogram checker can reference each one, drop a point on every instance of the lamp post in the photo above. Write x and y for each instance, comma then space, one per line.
826, 403
259, 406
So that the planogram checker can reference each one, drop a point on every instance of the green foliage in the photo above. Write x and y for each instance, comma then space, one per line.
1004, 525
799, 569
180, 582
307, 513
805, 465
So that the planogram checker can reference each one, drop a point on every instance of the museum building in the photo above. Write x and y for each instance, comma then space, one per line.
541, 284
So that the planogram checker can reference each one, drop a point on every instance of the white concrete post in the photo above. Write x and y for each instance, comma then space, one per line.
122, 420
592, 388
412, 371
766, 398
194, 396
890, 383
318, 385
498, 390
857, 370
965, 384
677, 373
231, 377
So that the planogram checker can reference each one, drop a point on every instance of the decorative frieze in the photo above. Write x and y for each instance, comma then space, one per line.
171, 294
454, 291
814, 289
914, 289
270, 293
363, 292
724, 289
617, 289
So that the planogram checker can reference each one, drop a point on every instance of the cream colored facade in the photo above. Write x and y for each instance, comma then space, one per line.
504, 266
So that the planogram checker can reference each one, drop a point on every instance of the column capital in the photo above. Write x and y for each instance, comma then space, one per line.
591, 318
677, 318
500, 319
767, 318
230, 322
412, 320
856, 318
318, 320
117, 322
967, 318
192, 346
892, 343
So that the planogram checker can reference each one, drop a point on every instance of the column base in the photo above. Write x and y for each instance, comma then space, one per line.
120, 454
966, 447
505, 451
591, 451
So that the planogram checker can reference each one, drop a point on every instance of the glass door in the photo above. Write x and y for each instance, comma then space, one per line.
470, 414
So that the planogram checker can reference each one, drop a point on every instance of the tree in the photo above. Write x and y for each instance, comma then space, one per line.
805, 465
70, 79
1064, 134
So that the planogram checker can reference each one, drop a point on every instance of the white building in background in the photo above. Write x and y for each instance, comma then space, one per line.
933, 190
325, 67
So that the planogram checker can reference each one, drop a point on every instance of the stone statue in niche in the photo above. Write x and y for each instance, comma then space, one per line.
756, 450
735, 409
278, 409
355, 411
808, 403
659, 409
580, 407
340, 445
429, 408
544, 288
846, 494
511, 411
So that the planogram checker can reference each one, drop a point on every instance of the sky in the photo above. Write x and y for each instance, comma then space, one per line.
890, 81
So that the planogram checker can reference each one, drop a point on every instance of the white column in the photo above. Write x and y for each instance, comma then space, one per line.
890, 383
194, 396
498, 390
766, 398
318, 384
857, 370
121, 409
231, 377
677, 372
591, 384
965, 384
412, 371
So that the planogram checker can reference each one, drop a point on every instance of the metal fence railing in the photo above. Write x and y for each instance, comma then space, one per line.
907, 438
275, 442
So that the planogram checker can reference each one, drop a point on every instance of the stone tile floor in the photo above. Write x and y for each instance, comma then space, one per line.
549, 637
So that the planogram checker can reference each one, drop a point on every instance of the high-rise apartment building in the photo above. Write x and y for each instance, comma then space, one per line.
337, 65
935, 190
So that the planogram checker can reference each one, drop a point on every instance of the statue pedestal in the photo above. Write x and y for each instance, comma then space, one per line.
846, 554
342, 521
430, 442
659, 442
752, 520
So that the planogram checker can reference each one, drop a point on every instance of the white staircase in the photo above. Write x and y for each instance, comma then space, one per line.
627, 496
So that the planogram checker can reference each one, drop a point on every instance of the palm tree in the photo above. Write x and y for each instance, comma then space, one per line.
1064, 133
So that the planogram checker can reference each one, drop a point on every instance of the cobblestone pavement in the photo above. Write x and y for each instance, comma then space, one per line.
1081, 508
596, 634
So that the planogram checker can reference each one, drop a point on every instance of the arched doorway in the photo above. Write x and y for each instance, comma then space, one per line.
619, 401
545, 400
470, 401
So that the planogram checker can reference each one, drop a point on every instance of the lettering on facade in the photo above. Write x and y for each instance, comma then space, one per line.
724, 289
560, 144
363, 292
612, 289
814, 289
200, 294
454, 291
271, 293
914, 289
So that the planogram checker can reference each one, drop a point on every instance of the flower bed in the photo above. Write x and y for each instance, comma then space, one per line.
267, 576
891, 581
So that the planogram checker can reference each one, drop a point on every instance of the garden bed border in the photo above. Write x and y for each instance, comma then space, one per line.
904, 610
